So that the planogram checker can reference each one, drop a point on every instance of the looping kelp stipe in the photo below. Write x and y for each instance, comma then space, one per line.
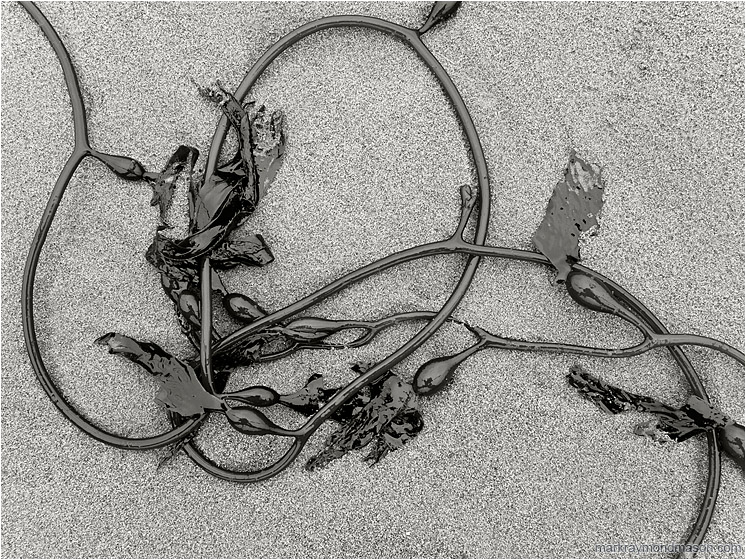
378, 409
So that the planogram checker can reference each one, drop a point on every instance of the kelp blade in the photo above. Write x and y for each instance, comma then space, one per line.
573, 209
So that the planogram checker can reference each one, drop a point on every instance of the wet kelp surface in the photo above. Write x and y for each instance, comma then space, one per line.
379, 410
572, 211
383, 414
675, 423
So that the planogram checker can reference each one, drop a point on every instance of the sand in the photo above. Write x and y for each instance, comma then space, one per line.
511, 463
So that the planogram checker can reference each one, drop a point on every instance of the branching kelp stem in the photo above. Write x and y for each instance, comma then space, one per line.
81, 150
410, 37
656, 341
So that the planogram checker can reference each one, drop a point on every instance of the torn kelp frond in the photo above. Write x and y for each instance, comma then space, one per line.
261, 141
209, 195
218, 204
694, 417
390, 419
185, 271
180, 282
181, 391
219, 207
441, 11
405, 426
572, 210
222, 201
679, 424
310, 398
608, 398
248, 352
363, 366
184, 157
269, 146
252, 251
239, 118
200, 243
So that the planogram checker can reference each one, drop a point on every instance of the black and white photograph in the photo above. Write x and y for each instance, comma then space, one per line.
305, 279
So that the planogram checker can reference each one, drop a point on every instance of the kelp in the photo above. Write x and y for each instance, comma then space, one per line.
440, 12
572, 210
388, 420
248, 352
242, 308
180, 389
217, 206
314, 395
434, 375
402, 428
310, 398
251, 422
261, 141
182, 393
677, 423
257, 395
384, 415
250, 251
164, 185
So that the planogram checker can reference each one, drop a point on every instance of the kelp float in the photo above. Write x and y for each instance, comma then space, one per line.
378, 410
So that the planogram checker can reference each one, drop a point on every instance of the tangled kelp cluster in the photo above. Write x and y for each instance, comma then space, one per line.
378, 409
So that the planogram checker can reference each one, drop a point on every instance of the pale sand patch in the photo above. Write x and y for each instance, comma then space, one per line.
511, 462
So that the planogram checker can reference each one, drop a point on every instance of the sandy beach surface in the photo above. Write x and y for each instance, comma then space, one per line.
511, 462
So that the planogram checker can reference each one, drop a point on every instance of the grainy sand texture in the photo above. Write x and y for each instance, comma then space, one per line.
511, 462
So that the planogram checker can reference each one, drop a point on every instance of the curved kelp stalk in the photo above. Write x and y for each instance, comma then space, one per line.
378, 408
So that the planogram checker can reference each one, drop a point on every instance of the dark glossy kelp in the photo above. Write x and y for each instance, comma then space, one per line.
384, 414
676, 423
572, 211
378, 410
